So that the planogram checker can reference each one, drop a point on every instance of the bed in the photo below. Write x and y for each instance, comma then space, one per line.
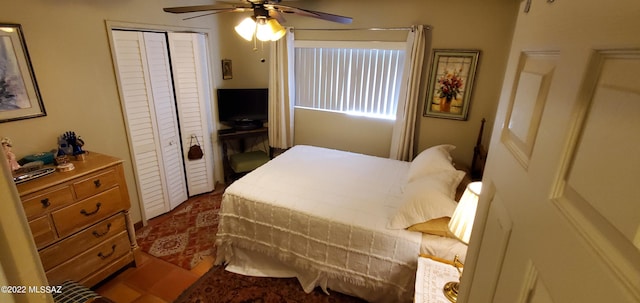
340, 221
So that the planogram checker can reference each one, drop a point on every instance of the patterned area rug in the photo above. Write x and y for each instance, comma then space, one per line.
185, 235
221, 286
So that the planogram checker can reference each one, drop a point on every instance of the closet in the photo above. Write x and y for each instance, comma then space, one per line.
164, 84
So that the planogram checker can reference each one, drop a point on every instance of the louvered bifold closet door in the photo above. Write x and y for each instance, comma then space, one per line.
148, 104
140, 119
193, 95
165, 109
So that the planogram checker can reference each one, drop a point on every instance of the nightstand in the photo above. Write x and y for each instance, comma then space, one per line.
432, 274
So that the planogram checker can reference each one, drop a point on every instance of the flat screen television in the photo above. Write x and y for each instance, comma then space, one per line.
243, 108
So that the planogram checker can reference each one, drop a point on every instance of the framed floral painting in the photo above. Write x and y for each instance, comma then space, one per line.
19, 95
450, 83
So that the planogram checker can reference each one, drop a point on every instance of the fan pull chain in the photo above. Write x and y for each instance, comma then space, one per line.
255, 38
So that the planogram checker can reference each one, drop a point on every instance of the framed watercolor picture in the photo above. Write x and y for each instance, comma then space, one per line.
19, 95
227, 72
450, 83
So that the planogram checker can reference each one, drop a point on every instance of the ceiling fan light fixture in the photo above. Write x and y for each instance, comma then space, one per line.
278, 30
269, 30
246, 28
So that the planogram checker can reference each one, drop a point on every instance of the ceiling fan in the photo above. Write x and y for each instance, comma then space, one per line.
266, 19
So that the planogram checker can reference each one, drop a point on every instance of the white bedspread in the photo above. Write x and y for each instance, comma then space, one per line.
324, 212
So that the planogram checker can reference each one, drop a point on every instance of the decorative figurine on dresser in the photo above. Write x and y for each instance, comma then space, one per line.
80, 218
71, 145
11, 158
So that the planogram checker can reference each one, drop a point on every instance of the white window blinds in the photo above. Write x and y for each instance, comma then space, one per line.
362, 78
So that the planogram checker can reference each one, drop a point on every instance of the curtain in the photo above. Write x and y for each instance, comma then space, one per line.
402, 138
281, 92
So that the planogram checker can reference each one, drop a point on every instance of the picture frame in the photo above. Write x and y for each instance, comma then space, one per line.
451, 81
227, 70
19, 94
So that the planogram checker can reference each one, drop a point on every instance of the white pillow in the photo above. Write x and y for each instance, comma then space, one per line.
425, 199
446, 248
431, 160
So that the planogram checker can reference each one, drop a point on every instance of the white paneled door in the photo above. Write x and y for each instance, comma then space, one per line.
560, 211
158, 144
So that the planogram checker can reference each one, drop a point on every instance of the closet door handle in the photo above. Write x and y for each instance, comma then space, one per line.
107, 255
89, 213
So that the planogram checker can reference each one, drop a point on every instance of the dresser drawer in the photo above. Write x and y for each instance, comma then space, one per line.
107, 271
81, 241
80, 221
42, 231
91, 260
86, 212
38, 205
95, 184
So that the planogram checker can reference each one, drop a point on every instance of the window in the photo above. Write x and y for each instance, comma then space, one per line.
360, 78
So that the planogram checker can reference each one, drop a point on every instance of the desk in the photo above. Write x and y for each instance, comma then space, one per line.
236, 136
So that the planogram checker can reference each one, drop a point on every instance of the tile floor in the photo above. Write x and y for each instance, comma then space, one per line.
152, 281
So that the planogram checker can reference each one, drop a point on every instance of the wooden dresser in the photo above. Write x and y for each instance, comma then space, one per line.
80, 220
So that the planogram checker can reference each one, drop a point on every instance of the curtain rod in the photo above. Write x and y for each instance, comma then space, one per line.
411, 28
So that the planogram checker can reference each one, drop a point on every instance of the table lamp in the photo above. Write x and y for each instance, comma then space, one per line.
460, 225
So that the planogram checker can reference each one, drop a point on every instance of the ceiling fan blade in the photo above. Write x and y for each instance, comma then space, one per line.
219, 11
202, 8
310, 13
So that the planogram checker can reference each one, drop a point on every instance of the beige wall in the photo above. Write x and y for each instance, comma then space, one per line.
248, 70
340, 131
69, 49
466, 24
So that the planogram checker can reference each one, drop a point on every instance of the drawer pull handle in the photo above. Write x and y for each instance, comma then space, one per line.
89, 213
99, 234
45, 202
104, 256
97, 183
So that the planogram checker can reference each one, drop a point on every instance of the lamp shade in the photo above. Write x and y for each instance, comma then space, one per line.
461, 222
278, 30
269, 30
246, 28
